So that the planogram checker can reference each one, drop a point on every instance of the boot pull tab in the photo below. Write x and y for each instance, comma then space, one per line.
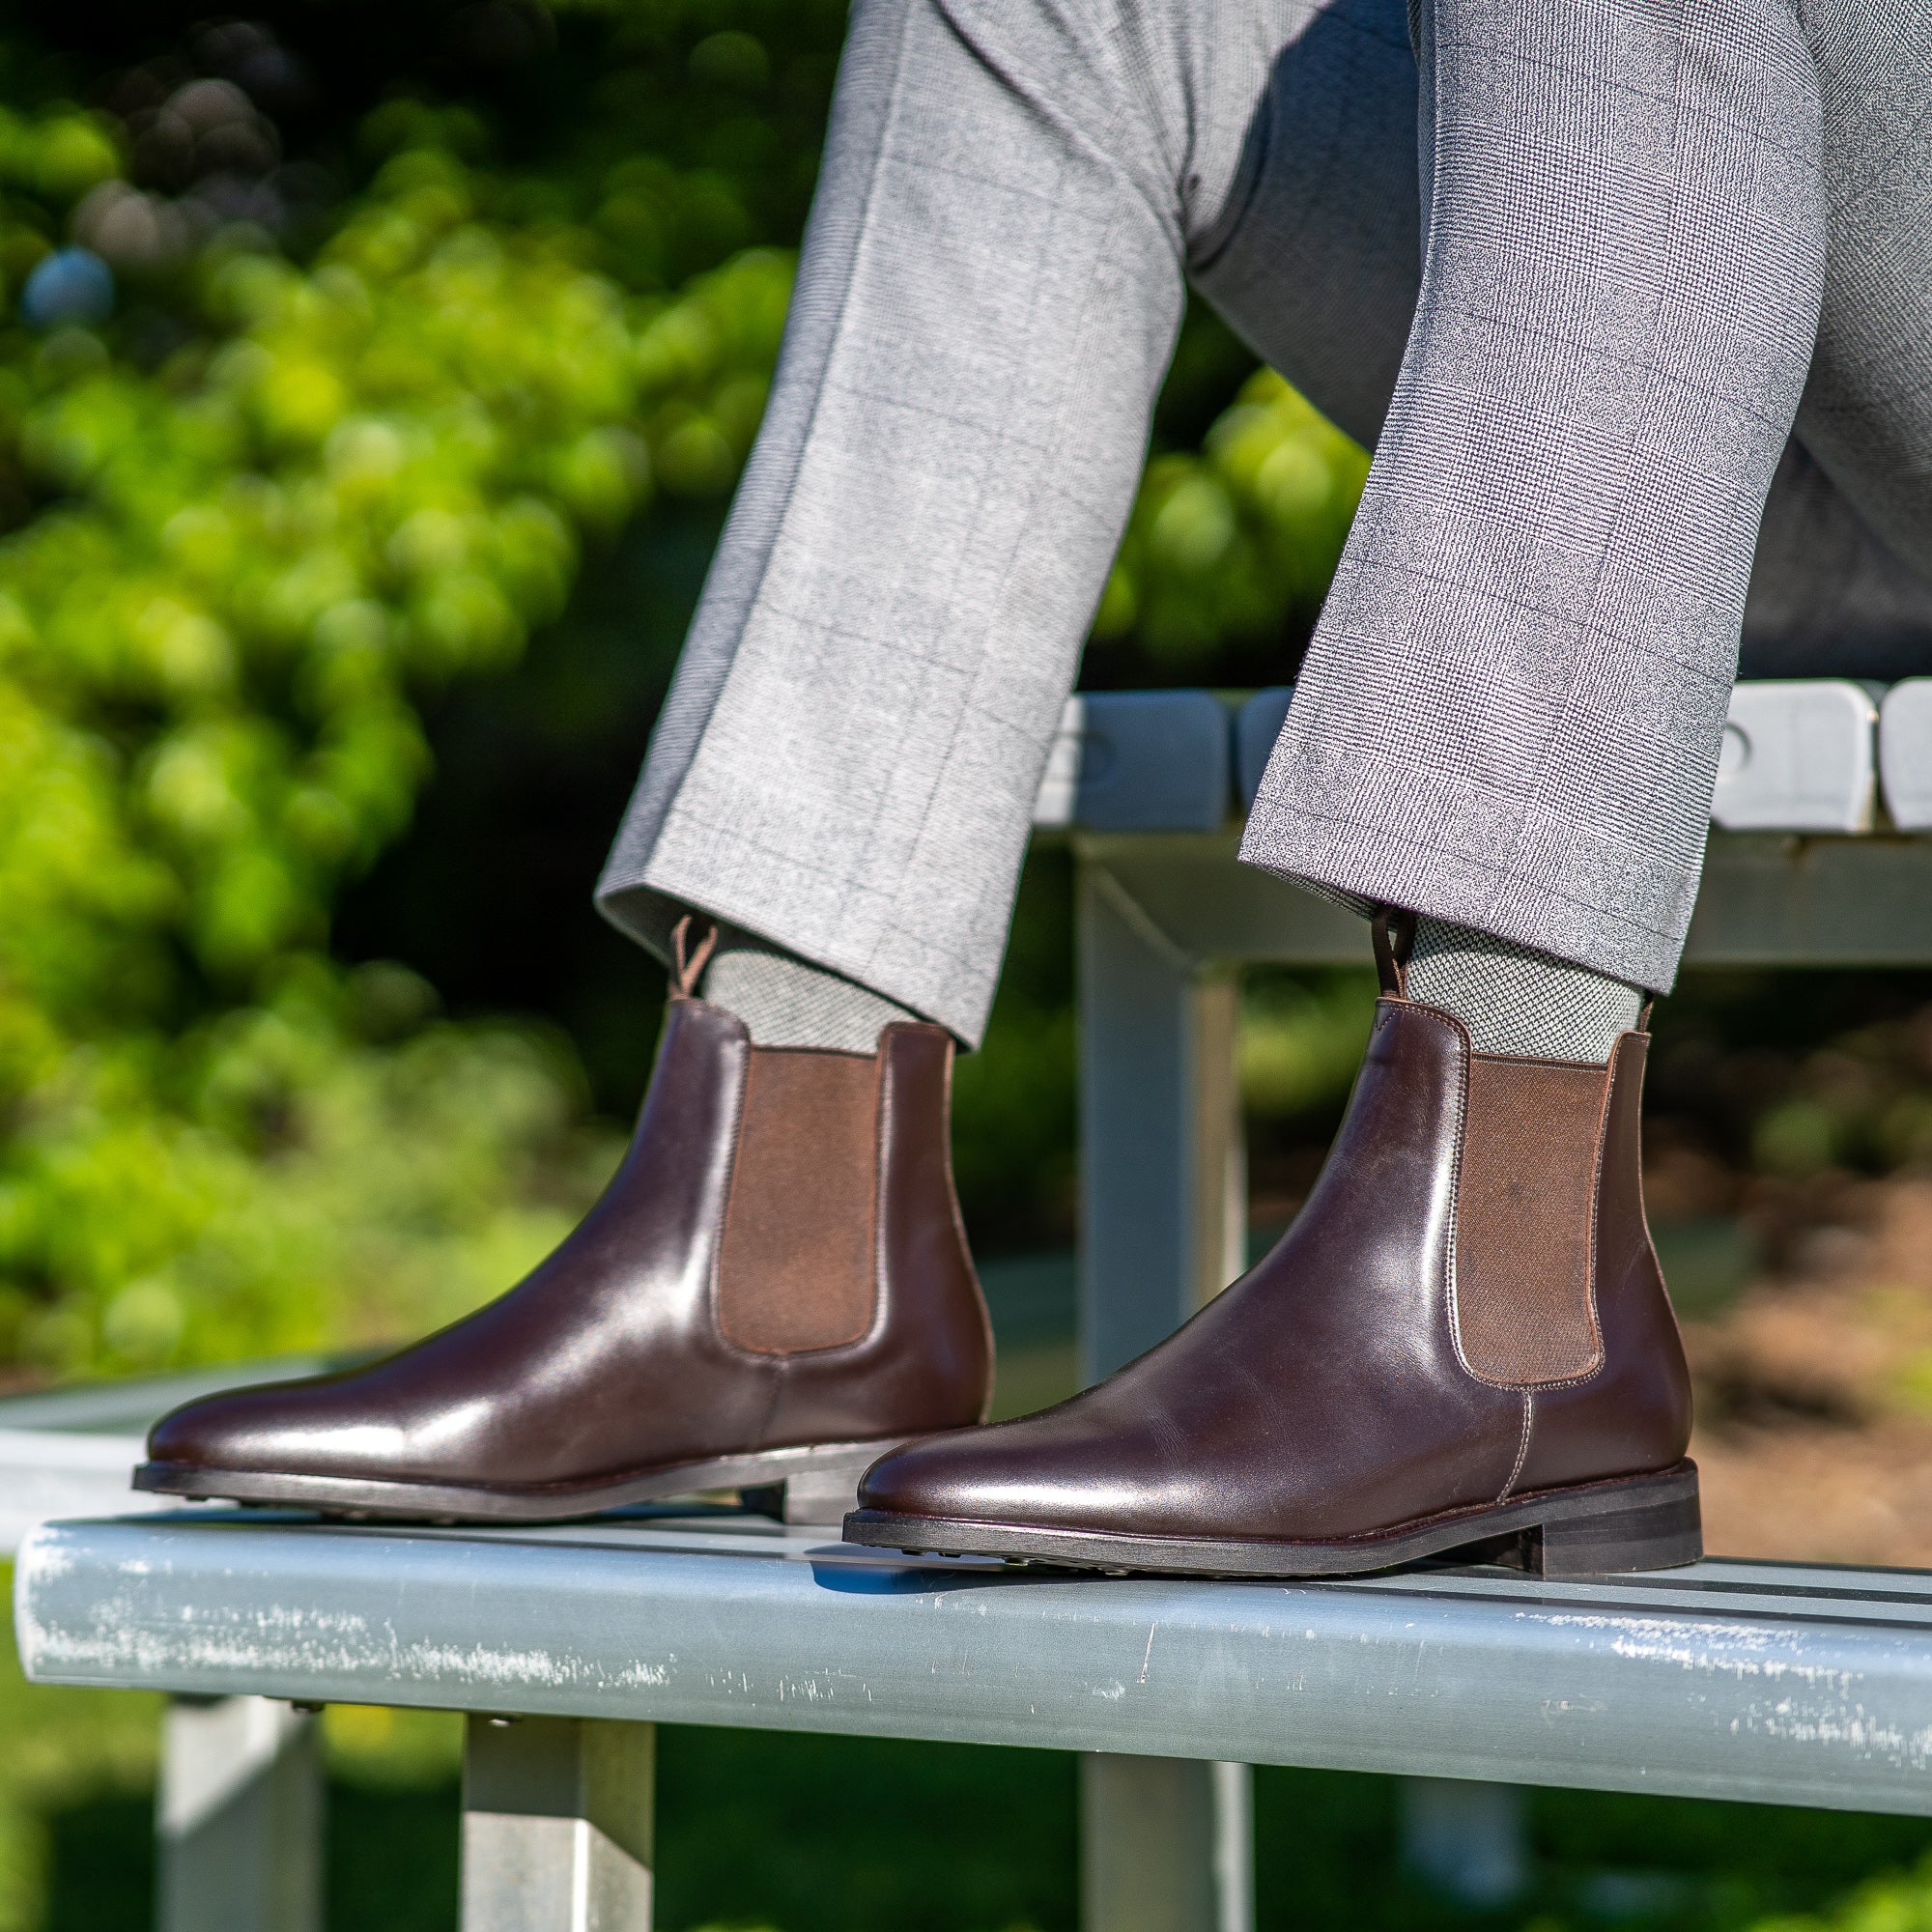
1393, 931
1643, 1017
686, 969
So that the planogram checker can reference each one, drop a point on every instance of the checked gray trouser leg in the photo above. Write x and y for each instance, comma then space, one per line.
1511, 713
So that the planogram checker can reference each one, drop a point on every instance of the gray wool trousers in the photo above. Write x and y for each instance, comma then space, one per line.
1588, 276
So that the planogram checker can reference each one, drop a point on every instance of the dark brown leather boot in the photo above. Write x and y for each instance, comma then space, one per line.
1462, 1339
774, 1287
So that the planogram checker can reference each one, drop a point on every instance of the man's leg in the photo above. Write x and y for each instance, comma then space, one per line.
986, 301
1321, 272
1321, 267
846, 764
1828, 596
775, 1287
1867, 410
1511, 714
1508, 723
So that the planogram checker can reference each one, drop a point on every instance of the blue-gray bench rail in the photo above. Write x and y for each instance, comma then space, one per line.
1777, 1682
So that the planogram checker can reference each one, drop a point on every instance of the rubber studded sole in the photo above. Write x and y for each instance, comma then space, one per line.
813, 1485
1588, 1529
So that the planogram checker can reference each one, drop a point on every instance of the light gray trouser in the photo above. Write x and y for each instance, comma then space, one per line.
1511, 713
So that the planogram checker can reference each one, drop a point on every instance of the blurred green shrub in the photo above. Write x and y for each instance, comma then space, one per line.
276, 1179
355, 479
1898, 1902
63, 1746
1798, 1075
284, 491
1302, 1038
1237, 540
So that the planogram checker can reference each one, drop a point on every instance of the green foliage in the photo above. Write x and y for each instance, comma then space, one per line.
48, 161
1238, 539
1014, 1100
62, 1747
282, 498
1863, 1102
377, 478
280, 1181
1798, 1075
1302, 1038
1896, 1902
355, 479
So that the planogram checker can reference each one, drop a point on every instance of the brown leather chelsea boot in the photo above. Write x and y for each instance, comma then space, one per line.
774, 1288
1464, 1339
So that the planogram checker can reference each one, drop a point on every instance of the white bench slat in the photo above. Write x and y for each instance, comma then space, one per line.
1800, 754
1905, 753
1137, 761
1767, 1682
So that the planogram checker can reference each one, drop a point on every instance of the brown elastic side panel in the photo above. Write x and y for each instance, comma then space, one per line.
1524, 1208
795, 1266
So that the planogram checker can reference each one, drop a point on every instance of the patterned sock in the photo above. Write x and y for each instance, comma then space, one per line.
787, 1003
1516, 1001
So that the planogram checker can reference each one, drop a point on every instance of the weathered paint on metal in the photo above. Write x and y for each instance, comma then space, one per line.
1726, 1680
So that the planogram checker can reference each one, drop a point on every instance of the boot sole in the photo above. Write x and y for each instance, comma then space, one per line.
814, 1485
1588, 1529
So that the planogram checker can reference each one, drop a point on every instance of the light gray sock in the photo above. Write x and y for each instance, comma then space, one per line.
1516, 1001
787, 1003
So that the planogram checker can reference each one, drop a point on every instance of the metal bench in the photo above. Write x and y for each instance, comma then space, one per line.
1751, 1681
239, 1815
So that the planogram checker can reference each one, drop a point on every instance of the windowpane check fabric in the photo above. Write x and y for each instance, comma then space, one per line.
1512, 711
1577, 333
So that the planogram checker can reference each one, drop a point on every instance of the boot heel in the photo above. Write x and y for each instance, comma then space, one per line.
819, 1489
825, 1492
1657, 1526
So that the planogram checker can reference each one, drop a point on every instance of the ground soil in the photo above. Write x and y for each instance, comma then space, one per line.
1814, 1391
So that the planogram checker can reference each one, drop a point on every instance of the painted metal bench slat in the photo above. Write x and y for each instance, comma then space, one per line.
1800, 754
1774, 1682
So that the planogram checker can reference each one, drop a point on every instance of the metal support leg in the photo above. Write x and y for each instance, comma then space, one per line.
1163, 1177
1466, 1841
556, 1825
239, 1818
1166, 1843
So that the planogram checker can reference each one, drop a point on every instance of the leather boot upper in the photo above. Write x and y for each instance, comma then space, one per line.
1467, 1307
778, 1262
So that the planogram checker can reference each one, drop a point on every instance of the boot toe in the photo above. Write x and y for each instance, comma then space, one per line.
284, 1428
1035, 1470
920, 1478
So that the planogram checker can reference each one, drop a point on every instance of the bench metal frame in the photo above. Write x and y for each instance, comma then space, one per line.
1770, 1682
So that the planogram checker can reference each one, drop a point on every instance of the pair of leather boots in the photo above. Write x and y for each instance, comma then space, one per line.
1462, 1342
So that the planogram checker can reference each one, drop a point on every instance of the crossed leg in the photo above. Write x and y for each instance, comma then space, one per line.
1512, 712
